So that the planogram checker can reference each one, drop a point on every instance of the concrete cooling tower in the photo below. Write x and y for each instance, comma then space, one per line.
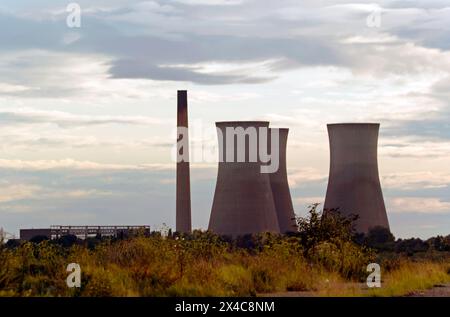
183, 193
280, 187
243, 201
353, 184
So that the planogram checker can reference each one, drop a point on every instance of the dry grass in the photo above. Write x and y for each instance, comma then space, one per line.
412, 277
206, 266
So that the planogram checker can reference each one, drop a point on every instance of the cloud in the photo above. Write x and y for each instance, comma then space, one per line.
414, 147
141, 69
27, 141
12, 192
416, 180
65, 120
6, 88
307, 201
156, 34
50, 73
45, 73
374, 39
39, 165
140, 55
404, 106
72, 164
423, 205
302, 176
210, 2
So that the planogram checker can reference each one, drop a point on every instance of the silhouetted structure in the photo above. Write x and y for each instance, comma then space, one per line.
83, 232
243, 201
280, 186
353, 184
28, 234
183, 191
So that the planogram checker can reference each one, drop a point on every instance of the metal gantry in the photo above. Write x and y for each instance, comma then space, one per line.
57, 231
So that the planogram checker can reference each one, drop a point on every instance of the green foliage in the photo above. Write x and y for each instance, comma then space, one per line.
411, 246
440, 243
328, 240
318, 227
380, 238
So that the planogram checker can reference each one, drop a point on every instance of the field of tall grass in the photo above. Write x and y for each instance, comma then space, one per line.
203, 265
321, 259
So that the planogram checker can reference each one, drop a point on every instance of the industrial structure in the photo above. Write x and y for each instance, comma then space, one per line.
83, 232
183, 191
280, 186
5, 236
248, 200
353, 183
243, 201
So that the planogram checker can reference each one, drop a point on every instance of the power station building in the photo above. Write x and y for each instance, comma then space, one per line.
84, 232
243, 201
248, 201
280, 186
354, 184
183, 191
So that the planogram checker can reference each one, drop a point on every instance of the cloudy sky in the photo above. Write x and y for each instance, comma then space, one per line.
87, 114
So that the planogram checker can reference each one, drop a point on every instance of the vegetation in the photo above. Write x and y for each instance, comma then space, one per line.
325, 257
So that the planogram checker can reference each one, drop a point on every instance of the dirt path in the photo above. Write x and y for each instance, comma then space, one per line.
441, 290
288, 294
437, 291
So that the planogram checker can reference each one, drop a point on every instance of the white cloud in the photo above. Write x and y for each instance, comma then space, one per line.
211, 2
6, 88
72, 164
414, 147
423, 205
49, 141
307, 201
47, 74
65, 119
39, 165
12, 192
416, 180
302, 176
375, 39
71, 37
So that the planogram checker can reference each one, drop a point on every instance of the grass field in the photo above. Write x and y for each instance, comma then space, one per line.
324, 257
205, 265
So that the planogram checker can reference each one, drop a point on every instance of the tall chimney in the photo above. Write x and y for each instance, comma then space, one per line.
183, 204
354, 185
243, 201
280, 186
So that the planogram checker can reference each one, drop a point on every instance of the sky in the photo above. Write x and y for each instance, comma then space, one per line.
87, 114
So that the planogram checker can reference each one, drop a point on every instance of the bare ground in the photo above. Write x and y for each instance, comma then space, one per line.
441, 290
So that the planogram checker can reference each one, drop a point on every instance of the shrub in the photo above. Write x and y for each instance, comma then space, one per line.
380, 238
320, 227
